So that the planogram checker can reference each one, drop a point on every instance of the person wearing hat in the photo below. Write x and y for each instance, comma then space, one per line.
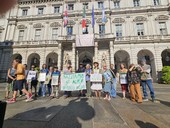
81, 69
96, 86
146, 79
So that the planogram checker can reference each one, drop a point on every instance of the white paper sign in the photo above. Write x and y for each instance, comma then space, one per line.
31, 74
73, 82
42, 77
96, 77
54, 80
123, 78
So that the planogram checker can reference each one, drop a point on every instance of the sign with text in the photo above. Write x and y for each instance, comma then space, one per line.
54, 80
42, 77
73, 82
123, 78
96, 77
31, 75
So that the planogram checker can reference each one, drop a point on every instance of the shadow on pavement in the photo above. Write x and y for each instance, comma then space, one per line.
165, 103
142, 124
77, 111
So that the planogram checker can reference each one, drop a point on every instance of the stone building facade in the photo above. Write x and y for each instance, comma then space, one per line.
134, 29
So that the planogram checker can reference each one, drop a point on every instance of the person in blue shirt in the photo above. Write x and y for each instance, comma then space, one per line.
42, 87
56, 72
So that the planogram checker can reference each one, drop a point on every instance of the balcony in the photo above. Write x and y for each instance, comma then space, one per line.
142, 38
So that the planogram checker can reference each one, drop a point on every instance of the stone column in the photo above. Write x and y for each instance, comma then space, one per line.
59, 56
46, 31
28, 37
73, 56
96, 51
111, 53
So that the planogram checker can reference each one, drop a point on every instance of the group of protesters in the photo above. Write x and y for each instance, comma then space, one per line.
131, 80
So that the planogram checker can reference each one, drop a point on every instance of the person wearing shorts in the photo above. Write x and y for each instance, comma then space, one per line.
20, 78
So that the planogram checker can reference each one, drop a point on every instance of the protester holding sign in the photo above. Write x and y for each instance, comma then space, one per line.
55, 83
32, 79
48, 80
42, 79
108, 79
97, 84
88, 71
123, 79
68, 93
80, 70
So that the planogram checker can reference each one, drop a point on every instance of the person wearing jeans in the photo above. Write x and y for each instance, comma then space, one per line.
42, 87
146, 79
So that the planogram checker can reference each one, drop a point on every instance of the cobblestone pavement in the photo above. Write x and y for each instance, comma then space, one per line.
89, 112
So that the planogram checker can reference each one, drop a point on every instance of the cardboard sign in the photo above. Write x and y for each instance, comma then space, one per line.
54, 80
31, 74
42, 77
96, 77
73, 82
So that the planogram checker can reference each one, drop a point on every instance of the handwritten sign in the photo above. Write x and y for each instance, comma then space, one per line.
73, 82
123, 78
42, 77
96, 77
54, 80
31, 75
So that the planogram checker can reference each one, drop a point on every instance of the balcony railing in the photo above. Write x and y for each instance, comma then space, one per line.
149, 37
101, 37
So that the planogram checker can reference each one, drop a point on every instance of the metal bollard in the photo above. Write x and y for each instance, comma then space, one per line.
2, 112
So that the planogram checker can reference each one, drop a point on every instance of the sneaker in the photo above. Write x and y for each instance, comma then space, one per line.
13, 100
20, 96
145, 99
29, 96
28, 100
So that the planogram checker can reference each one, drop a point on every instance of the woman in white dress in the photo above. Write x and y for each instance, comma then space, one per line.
96, 86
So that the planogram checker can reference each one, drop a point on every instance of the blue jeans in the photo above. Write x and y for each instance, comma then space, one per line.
113, 91
150, 86
42, 89
49, 89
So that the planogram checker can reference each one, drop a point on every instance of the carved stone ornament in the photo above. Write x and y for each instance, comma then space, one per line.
99, 20
38, 25
140, 18
162, 17
118, 20
55, 24
21, 27
87, 21
71, 22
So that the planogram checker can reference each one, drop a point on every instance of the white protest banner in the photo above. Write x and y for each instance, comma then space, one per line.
42, 77
123, 78
73, 82
31, 74
96, 77
54, 80
48, 78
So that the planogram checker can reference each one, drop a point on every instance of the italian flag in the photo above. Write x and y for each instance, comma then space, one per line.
84, 20
65, 17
